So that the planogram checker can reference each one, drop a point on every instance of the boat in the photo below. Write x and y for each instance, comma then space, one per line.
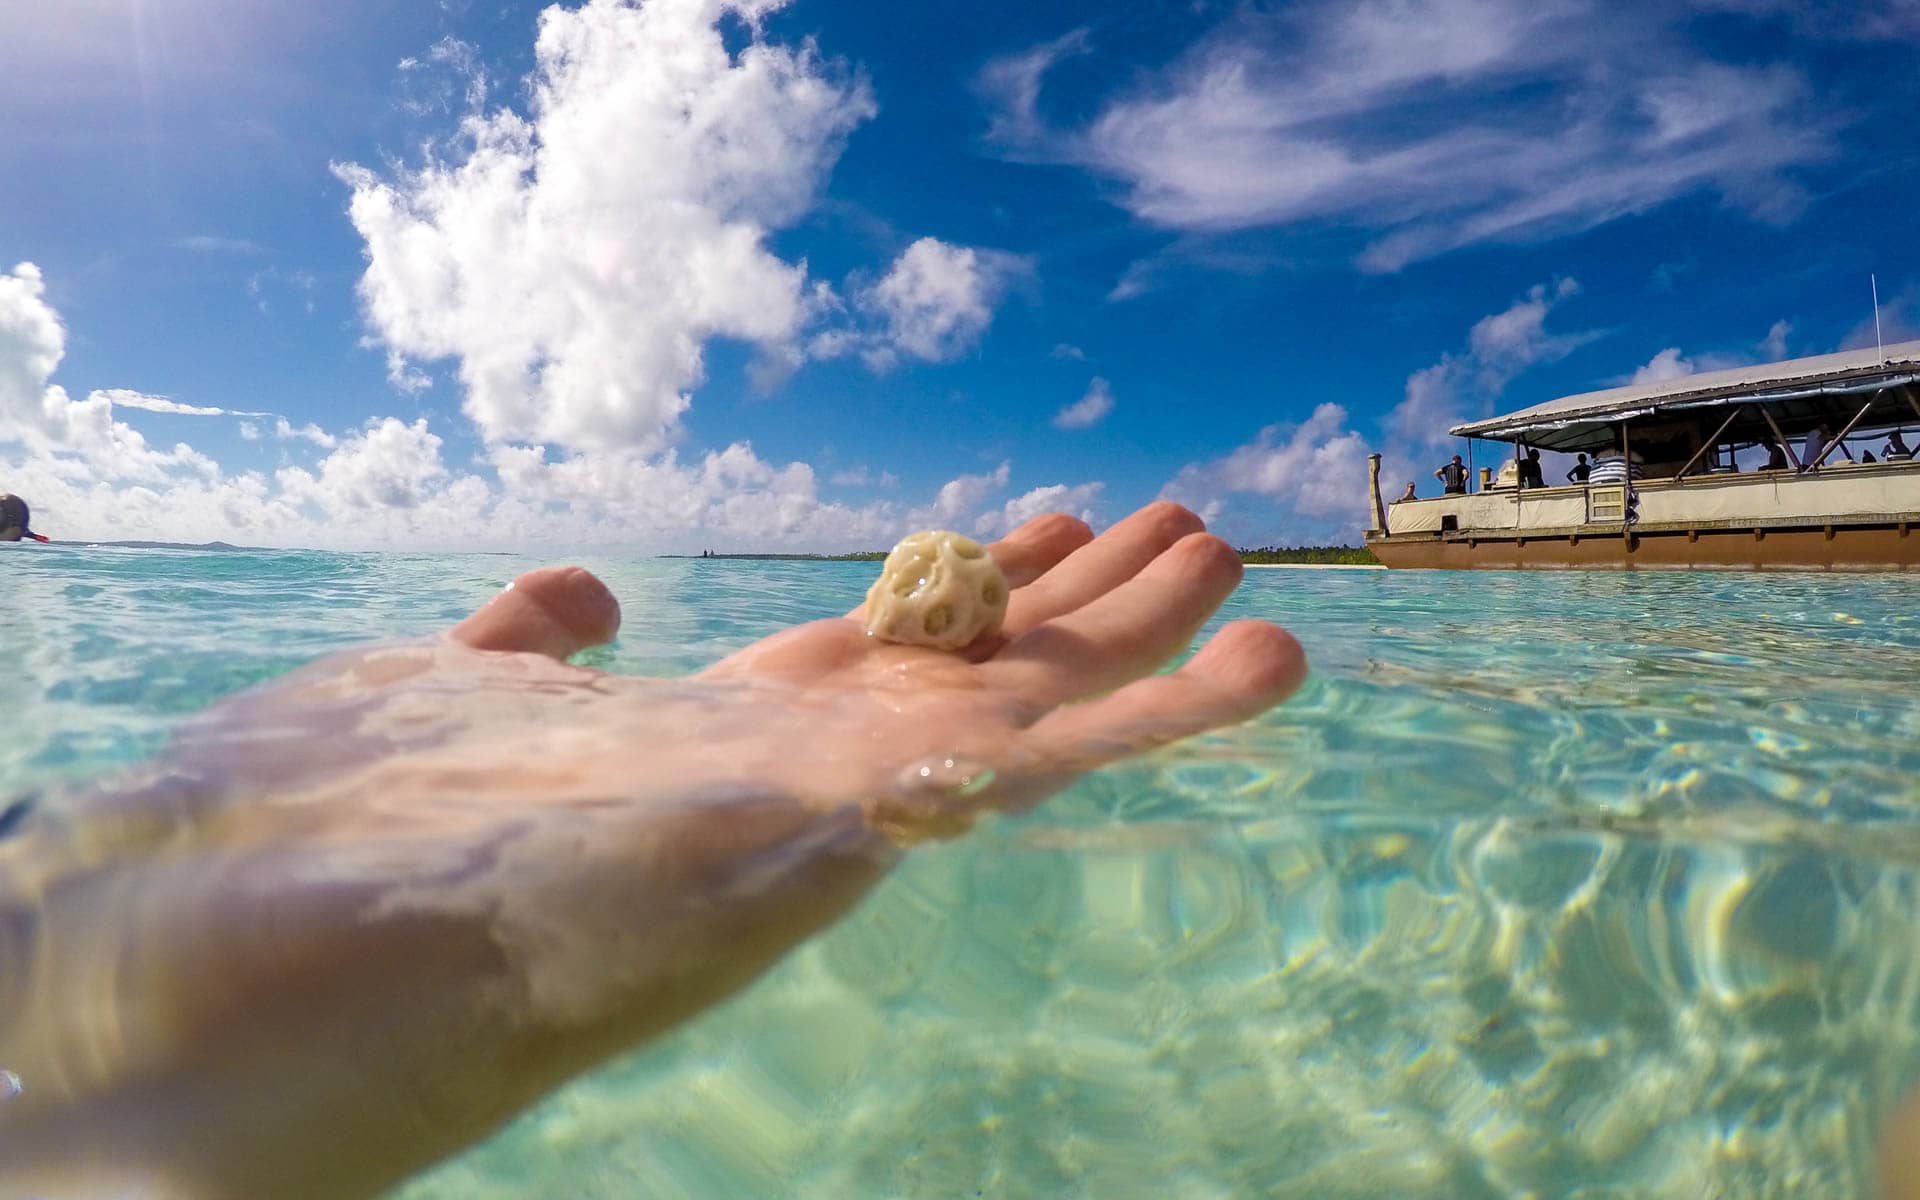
1668, 490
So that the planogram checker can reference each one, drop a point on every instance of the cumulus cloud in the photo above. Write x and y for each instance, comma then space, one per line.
388, 465
935, 301
1314, 473
286, 430
960, 498
1312, 468
573, 262
1089, 410
388, 483
1499, 347
1077, 499
1671, 363
1668, 364
1429, 124
74, 438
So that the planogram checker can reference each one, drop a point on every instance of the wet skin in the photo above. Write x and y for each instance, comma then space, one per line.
358, 918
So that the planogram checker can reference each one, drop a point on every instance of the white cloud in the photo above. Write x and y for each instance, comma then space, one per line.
1774, 347
935, 301
1499, 347
960, 498
31, 345
573, 262
389, 465
1075, 499
263, 285
1668, 364
389, 484
1089, 410
1316, 472
74, 438
210, 244
1316, 468
128, 398
1671, 363
1430, 124
286, 430
1013, 84
448, 78
1064, 350
862, 477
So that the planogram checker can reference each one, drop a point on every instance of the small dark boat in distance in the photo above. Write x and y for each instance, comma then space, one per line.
1667, 492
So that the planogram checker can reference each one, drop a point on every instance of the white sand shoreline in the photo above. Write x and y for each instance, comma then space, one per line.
1315, 566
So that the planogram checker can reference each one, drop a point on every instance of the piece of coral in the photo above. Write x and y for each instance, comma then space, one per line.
937, 589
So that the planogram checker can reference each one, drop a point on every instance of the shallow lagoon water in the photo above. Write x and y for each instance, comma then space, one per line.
1546, 885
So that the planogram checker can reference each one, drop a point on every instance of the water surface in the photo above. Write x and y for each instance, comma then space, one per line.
1547, 884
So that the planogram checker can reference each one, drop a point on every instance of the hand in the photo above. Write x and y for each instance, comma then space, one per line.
369, 912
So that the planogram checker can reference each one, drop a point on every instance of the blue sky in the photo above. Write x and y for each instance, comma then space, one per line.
755, 275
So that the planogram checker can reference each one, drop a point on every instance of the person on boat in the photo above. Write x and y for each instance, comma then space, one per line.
14, 517
1817, 443
1530, 470
1776, 457
1614, 467
1581, 470
1452, 477
1408, 494
362, 916
1896, 448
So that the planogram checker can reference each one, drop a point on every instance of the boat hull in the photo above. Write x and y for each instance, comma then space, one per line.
1889, 547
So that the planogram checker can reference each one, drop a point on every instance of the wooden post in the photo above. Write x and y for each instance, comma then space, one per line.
1844, 431
1786, 446
1373, 482
1708, 444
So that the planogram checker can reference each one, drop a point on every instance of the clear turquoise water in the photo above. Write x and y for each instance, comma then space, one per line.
1546, 885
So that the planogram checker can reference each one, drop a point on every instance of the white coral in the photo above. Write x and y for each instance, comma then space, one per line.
937, 589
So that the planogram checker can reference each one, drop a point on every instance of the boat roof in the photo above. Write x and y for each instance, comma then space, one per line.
1798, 393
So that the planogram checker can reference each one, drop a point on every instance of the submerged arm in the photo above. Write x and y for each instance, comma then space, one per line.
403, 894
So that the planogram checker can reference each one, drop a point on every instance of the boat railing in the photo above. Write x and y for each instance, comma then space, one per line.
1705, 499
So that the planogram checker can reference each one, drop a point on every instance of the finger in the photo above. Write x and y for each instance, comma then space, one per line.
556, 611
1031, 550
1097, 567
1123, 634
1245, 669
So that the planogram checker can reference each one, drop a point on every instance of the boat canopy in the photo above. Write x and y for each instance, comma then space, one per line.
1793, 396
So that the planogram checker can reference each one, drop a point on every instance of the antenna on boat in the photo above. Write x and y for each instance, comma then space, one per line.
1879, 349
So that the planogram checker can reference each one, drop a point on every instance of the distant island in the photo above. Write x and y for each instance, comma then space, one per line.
856, 556
219, 546
1323, 555
1347, 556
